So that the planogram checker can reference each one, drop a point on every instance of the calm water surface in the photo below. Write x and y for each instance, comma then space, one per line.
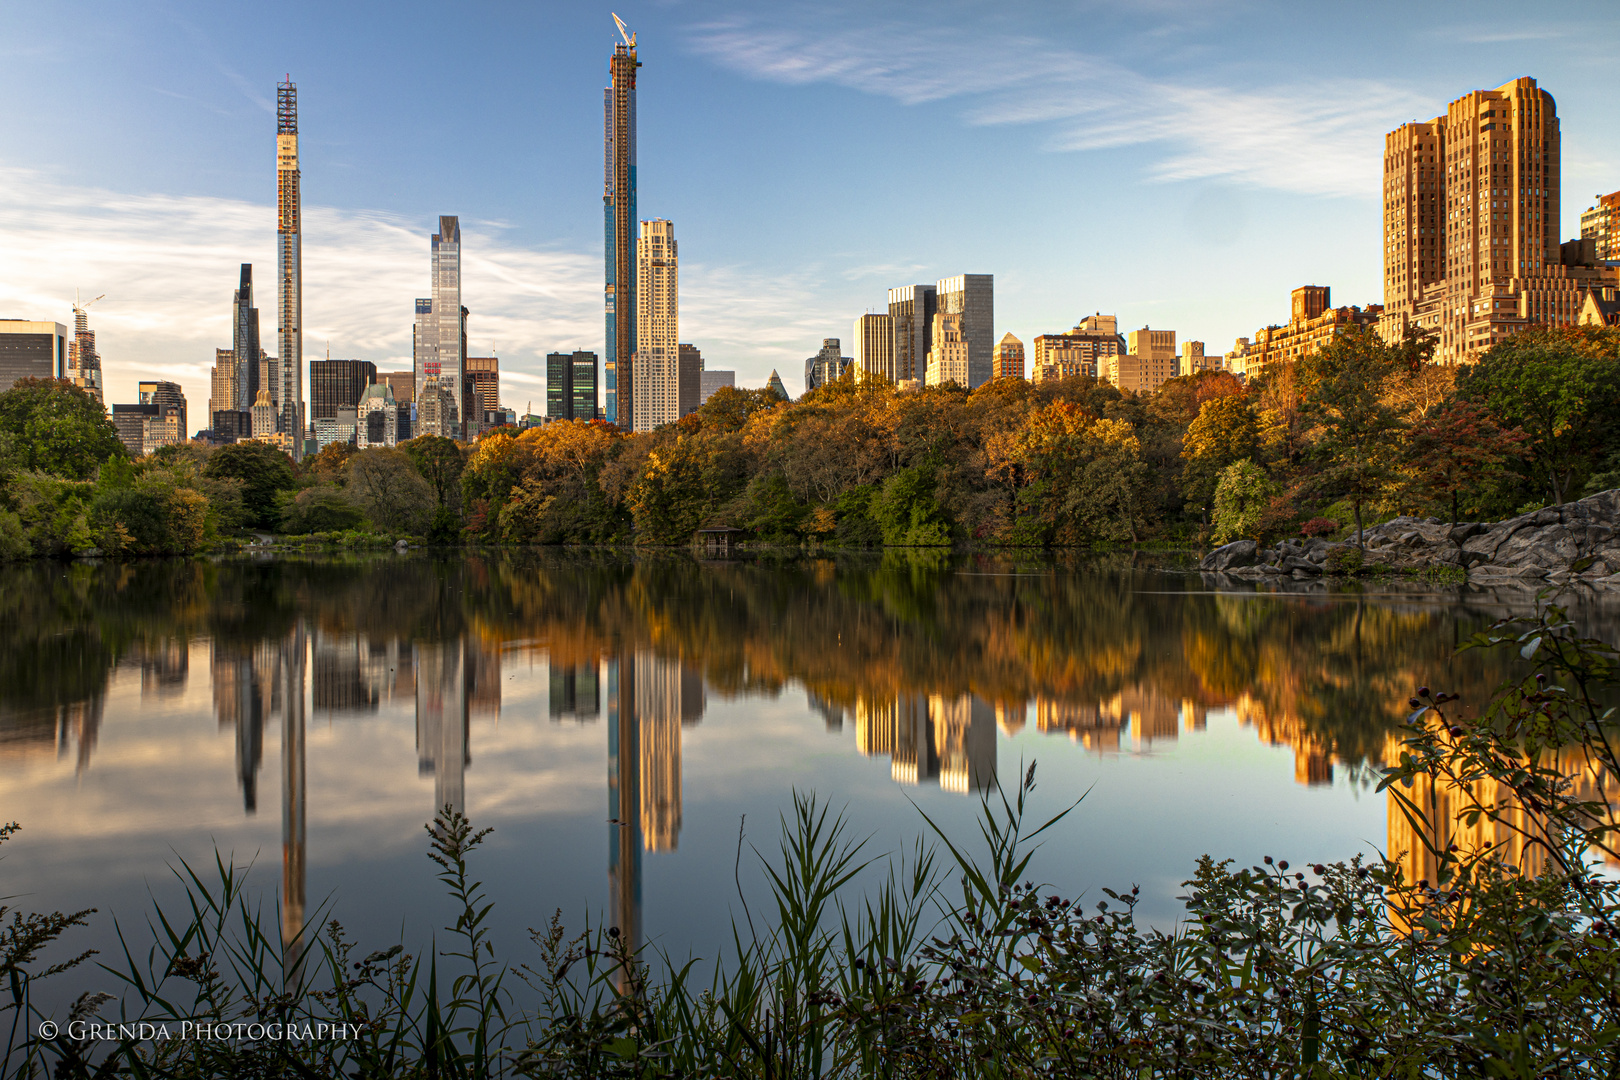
619, 720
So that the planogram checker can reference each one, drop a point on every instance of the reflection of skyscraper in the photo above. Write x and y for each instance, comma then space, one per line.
624, 805
914, 758
339, 676
441, 721
293, 943
240, 702
965, 741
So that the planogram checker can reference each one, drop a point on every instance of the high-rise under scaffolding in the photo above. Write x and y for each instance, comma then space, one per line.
290, 280
84, 363
619, 213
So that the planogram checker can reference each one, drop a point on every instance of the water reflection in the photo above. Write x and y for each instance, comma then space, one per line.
929, 664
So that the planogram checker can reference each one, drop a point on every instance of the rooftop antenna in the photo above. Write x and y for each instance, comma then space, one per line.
624, 31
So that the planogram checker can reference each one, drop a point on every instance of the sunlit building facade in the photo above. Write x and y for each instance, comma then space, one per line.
289, 258
656, 389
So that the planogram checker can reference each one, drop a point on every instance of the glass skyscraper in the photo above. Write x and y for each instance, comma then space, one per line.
619, 223
973, 297
440, 355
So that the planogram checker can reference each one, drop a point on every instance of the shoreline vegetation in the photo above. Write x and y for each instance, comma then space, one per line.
1491, 951
1319, 448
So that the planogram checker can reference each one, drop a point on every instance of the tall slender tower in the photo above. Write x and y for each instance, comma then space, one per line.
245, 341
619, 214
289, 229
84, 363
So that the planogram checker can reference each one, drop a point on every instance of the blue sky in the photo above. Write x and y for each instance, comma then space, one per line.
1179, 163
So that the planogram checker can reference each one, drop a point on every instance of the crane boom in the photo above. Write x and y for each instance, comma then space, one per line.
624, 31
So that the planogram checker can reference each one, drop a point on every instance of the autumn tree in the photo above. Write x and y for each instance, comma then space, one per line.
1457, 448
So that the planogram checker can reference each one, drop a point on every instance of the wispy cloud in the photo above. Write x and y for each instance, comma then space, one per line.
1311, 138
168, 265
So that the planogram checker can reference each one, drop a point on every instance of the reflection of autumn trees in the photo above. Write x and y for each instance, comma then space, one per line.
1089, 648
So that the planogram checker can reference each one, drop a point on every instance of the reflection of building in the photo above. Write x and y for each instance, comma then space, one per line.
575, 692
441, 721
294, 650
164, 668
951, 738
832, 714
668, 695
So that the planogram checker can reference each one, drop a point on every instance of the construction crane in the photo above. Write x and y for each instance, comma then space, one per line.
81, 312
624, 31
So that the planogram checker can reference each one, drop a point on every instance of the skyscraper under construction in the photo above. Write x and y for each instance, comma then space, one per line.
290, 279
619, 213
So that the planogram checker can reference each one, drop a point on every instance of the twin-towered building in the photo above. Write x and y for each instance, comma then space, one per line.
1471, 225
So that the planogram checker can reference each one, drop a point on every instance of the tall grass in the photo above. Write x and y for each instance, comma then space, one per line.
954, 962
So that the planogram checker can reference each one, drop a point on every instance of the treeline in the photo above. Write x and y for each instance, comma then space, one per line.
1357, 431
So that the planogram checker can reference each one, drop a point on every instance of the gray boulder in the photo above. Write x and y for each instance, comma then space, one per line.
1231, 556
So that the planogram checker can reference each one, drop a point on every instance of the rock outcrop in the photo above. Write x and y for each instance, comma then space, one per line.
1578, 541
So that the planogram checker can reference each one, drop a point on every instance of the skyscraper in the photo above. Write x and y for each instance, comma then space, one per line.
619, 222
656, 392
222, 381
1471, 213
911, 314
289, 257
950, 359
584, 386
874, 347
84, 363
441, 341
826, 366
972, 296
31, 350
245, 348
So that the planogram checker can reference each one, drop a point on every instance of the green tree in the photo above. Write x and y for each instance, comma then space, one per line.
1224, 431
264, 473
386, 486
1561, 387
1354, 431
1242, 498
51, 426
440, 461
322, 508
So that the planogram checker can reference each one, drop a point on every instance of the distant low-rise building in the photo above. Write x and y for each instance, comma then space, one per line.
340, 428
1193, 359
1600, 223
1150, 363
1082, 351
1600, 307
1007, 360
1313, 323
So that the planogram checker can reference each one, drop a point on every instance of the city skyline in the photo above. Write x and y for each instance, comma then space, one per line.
1177, 188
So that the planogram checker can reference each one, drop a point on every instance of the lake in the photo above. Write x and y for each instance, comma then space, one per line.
632, 727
